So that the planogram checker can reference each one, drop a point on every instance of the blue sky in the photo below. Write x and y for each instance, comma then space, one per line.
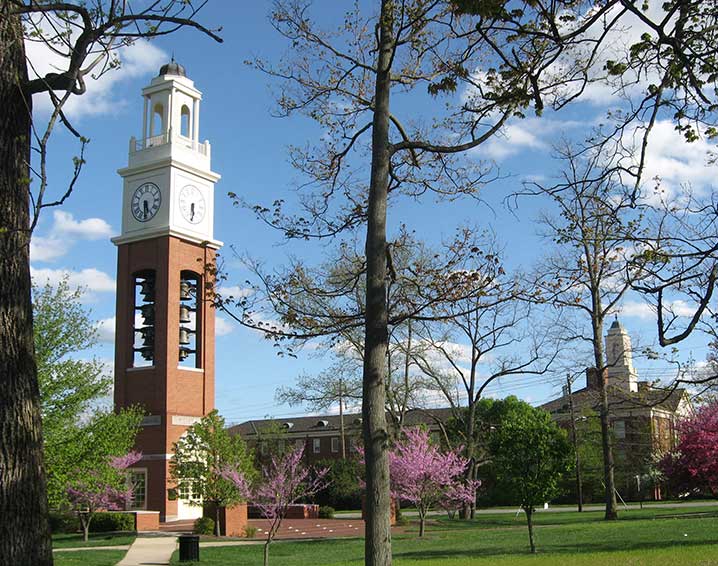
249, 150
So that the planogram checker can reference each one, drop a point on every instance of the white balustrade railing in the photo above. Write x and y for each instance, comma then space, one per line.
165, 138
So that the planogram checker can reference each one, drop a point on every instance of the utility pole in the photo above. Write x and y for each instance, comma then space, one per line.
574, 439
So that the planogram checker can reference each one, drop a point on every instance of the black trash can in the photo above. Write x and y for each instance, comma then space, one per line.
189, 548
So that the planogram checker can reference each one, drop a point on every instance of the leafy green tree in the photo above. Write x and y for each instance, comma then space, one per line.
79, 437
530, 454
343, 489
200, 457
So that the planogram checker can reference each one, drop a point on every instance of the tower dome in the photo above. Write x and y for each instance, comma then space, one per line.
172, 68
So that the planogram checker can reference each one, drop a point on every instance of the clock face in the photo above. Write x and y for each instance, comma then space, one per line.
146, 201
192, 205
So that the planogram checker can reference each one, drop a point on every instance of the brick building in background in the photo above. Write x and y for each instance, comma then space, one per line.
164, 338
643, 417
321, 435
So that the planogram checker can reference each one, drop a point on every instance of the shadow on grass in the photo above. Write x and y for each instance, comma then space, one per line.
436, 554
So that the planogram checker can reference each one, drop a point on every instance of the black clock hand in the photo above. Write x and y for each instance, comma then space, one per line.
191, 212
145, 209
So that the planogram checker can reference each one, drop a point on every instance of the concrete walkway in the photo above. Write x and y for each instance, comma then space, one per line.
150, 550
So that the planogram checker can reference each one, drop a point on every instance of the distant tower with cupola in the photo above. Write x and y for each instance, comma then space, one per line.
164, 340
619, 358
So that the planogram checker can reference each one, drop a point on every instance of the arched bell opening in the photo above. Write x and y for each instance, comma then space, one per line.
157, 120
189, 316
185, 122
143, 318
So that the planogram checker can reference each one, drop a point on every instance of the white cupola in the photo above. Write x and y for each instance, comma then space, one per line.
168, 181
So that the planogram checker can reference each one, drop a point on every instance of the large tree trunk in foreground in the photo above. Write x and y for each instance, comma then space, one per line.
377, 546
24, 534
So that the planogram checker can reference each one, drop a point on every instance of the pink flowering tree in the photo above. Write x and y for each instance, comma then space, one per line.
424, 475
694, 463
283, 481
101, 490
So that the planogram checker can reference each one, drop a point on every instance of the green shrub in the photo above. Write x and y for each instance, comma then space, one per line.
107, 522
63, 522
250, 531
204, 526
326, 512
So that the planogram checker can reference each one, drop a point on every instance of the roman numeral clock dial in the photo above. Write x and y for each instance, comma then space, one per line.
146, 201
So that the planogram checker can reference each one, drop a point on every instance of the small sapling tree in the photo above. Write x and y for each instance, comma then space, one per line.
694, 463
283, 481
199, 457
530, 453
423, 474
103, 489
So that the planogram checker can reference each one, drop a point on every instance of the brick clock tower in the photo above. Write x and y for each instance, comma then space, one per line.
164, 341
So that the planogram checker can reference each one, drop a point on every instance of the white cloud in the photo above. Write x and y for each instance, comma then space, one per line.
63, 234
522, 134
646, 311
91, 280
138, 59
222, 326
106, 330
235, 291
88, 229
48, 248
675, 161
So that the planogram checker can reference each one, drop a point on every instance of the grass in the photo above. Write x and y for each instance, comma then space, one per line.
88, 558
75, 540
651, 537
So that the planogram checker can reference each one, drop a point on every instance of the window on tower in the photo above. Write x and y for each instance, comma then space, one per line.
189, 317
143, 319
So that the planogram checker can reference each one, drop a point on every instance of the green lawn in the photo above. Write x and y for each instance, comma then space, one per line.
88, 558
648, 537
75, 540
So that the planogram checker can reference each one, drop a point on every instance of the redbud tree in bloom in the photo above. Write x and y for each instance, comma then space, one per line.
102, 490
424, 475
283, 481
694, 463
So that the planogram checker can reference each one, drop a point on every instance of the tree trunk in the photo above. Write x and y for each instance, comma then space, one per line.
217, 530
529, 521
85, 522
422, 524
574, 439
266, 553
378, 501
342, 435
24, 532
611, 513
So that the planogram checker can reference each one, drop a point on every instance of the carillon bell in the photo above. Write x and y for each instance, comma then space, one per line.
186, 289
148, 336
147, 353
148, 314
147, 290
185, 313
184, 334
183, 353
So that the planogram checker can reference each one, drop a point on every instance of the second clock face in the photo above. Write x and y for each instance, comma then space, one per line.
146, 201
192, 205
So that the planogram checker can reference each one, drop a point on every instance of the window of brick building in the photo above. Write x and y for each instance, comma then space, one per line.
619, 429
317, 445
335, 444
